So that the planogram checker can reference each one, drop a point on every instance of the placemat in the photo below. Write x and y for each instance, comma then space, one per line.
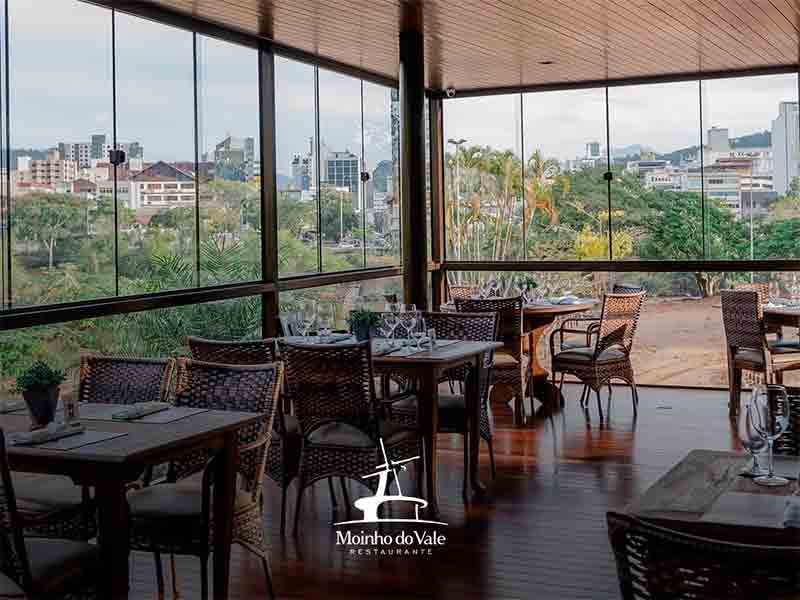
12, 406
168, 416
82, 439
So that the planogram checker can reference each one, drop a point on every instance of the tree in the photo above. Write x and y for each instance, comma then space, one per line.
337, 214
49, 219
778, 239
675, 232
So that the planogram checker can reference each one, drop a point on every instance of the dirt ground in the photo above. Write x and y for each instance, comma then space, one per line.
680, 341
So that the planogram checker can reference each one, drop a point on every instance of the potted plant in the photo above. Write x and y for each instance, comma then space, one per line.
362, 322
39, 386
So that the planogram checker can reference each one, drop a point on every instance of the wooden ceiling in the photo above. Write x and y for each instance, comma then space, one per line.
497, 43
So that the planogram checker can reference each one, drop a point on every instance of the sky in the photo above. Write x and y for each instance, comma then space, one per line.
61, 82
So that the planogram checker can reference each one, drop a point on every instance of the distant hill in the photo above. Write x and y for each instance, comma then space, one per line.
753, 140
633, 151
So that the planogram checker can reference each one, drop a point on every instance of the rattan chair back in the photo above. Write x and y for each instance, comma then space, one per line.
244, 388
290, 324
509, 311
743, 319
621, 288
330, 383
13, 555
761, 288
124, 379
245, 352
619, 318
658, 563
462, 292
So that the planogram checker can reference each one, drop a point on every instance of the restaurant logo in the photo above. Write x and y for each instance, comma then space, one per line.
374, 543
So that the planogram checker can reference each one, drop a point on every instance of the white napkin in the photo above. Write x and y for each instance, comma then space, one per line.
139, 409
53, 431
791, 512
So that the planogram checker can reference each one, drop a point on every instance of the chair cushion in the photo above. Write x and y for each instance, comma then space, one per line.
784, 347
747, 357
59, 564
586, 354
344, 434
45, 494
181, 500
9, 589
292, 426
504, 360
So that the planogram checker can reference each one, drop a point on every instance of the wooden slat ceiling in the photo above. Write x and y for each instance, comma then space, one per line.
496, 43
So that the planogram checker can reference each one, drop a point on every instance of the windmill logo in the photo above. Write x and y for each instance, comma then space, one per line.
369, 505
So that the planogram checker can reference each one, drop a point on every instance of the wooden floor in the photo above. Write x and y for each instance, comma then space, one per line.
538, 533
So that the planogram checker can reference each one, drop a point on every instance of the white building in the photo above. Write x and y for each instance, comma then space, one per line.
47, 172
161, 185
786, 153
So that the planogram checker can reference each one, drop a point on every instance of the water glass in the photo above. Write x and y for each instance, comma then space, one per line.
325, 316
750, 438
770, 407
308, 316
420, 331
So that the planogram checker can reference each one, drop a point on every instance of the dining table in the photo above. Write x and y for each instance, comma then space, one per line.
426, 367
706, 495
776, 315
109, 465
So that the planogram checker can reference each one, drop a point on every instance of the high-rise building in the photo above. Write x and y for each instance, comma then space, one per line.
593, 150
51, 171
78, 153
98, 142
234, 158
785, 151
718, 140
342, 170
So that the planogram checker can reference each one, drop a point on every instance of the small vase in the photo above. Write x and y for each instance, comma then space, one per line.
42, 404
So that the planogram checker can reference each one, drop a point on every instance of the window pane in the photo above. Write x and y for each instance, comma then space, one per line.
295, 126
155, 125
655, 197
370, 294
382, 162
566, 196
751, 164
230, 185
63, 224
483, 178
343, 217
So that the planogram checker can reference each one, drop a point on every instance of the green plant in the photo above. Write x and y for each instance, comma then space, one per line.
529, 282
362, 318
39, 375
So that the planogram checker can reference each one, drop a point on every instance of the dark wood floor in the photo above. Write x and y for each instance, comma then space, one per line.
538, 533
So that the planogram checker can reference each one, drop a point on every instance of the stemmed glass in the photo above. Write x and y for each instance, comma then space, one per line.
770, 423
308, 316
408, 318
325, 315
750, 438
419, 330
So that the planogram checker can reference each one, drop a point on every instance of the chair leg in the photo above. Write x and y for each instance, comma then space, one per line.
332, 494
284, 494
490, 443
736, 391
268, 576
635, 398
420, 473
174, 574
599, 404
204, 577
298, 504
466, 465
159, 572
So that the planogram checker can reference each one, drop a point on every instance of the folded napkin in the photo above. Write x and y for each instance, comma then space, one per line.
7, 406
791, 512
139, 409
54, 431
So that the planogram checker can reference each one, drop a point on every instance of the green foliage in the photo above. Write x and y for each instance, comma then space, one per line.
361, 317
39, 375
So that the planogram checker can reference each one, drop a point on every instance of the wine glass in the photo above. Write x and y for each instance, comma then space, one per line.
751, 440
325, 315
770, 423
308, 316
408, 319
419, 330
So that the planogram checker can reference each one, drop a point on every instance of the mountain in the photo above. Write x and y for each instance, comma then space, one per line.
753, 140
631, 151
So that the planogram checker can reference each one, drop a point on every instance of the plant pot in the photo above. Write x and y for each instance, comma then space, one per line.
42, 404
361, 332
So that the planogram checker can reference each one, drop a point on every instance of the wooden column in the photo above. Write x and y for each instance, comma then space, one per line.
438, 276
412, 160
269, 193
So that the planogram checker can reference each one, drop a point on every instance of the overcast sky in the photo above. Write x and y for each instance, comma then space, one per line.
61, 83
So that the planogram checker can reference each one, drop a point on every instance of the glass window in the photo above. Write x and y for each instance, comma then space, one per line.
296, 166
61, 108
341, 158
656, 206
382, 162
566, 197
155, 126
230, 162
751, 167
483, 178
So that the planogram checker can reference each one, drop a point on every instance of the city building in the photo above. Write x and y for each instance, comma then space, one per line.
161, 185
718, 140
50, 171
341, 170
77, 153
785, 146
234, 158
303, 170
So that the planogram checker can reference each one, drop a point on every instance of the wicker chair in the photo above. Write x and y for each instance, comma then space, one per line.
52, 505
42, 567
461, 292
661, 564
283, 456
452, 407
290, 324
175, 517
333, 390
747, 345
763, 295
511, 363
609, 358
